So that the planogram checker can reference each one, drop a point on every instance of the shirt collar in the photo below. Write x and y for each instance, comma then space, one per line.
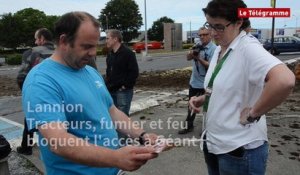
236, 41
208, 45
119, 49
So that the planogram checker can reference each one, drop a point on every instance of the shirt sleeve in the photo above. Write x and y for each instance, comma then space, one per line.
258, 62
42, 103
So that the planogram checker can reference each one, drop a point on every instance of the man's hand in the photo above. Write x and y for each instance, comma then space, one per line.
150, 138
190, 56
163, 144
195, 103
131, 158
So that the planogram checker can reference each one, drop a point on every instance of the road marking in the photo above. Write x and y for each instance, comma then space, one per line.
13, 132
10, 129
6, 69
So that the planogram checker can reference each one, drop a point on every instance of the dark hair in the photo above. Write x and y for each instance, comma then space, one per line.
247, 23
227, 9
70, 22
115, 34
45, 33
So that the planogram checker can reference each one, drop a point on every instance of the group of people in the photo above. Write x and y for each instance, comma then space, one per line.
235, 83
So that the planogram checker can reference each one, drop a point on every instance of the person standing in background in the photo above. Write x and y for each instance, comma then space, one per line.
200, 56
121, 72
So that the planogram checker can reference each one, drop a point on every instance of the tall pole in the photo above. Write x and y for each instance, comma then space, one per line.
106, 22
191, 40
146, 37
273, 26
296, 23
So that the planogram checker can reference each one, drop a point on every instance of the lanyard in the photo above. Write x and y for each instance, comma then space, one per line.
211, 81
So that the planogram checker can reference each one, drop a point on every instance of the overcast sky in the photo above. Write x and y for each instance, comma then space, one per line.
182, 11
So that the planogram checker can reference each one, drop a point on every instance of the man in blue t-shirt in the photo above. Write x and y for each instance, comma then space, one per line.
69, 104
200, 56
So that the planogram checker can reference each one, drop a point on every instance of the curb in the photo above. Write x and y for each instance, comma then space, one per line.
292, 61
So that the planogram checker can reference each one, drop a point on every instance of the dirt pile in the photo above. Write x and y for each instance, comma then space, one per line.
174, 79
9, 87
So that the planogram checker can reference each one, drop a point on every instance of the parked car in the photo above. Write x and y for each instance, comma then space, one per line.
138, 47
283, 44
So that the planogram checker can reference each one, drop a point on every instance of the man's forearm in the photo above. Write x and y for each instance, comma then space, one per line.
130, 128
203, 62
77, 149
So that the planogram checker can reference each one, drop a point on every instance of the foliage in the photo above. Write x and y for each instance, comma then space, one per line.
49, 23
18, 29
13, 51
14, 59
187, 46
8, 30
29, 20
156, 32
123, 15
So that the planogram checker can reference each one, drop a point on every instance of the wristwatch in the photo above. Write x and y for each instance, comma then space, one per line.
251, 119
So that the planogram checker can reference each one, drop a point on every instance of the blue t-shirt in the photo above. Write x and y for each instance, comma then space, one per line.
79, 98
199, 71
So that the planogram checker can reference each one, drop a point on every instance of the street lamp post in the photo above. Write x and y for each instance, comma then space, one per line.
106, 18
273, 4
191, 39
146, 37
296, 22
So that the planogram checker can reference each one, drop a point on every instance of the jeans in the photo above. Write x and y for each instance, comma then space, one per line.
122, 100
246, 161
190, 118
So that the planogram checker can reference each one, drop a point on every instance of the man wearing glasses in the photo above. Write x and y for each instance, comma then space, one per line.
200, 56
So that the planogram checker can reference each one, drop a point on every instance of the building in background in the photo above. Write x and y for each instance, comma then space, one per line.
172, 36
260, 34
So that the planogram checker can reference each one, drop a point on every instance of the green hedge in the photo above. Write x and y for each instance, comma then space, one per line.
187, 46
102, 50
12, 51
14, 59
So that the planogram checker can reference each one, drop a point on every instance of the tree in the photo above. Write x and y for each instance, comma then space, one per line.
49, 23
29, 21
123, 15
18, 29
156, 32
8, 31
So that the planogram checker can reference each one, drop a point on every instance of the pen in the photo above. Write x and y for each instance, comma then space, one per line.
192, 112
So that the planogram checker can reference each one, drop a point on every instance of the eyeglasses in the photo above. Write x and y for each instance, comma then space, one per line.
204, 34
217, 27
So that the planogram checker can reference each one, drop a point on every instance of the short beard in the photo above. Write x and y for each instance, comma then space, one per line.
69, 62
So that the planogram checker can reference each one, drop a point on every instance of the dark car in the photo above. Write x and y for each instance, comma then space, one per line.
283, 44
